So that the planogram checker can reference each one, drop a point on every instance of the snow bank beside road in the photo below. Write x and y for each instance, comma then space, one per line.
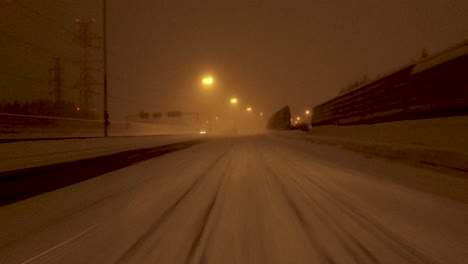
440, 141
28, 154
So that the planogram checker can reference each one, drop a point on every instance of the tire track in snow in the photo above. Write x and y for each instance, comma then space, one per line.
398, 245
135, 249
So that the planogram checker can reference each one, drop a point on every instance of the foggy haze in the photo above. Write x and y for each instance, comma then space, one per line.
266, 53
247, 131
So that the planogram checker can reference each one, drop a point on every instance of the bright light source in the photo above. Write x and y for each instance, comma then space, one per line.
77, 108
261, 113
249, 109
203, 132
307, 112
234, 100
298, 118
207, 81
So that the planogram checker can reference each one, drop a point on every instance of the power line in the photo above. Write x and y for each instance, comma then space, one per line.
34, 45
74, 7
33, 15
43, 17
24, 77
30, 79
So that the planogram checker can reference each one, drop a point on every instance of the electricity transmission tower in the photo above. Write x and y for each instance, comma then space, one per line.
56, 81
88, 42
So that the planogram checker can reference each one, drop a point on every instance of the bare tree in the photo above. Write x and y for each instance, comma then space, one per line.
351, 86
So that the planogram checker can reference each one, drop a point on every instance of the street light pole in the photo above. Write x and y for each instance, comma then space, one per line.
234, 117
104, 52
207, 82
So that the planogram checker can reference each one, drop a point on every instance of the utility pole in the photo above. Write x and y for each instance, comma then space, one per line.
104, 55
86, 39
56, 81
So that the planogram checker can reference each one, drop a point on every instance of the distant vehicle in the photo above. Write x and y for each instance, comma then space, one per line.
202, 132
301, 126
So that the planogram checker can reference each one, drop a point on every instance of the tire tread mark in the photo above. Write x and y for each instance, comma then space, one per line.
321, 250
204, 232
339, 231
124, 258
393, 241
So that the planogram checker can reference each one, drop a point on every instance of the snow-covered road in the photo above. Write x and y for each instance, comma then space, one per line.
251, 199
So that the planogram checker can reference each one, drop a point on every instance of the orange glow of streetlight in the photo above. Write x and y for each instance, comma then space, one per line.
234, 101
207, 81
307, 112
249, 109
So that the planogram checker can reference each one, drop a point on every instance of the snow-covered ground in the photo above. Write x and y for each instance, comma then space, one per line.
94, 130
258, 199
438, 141
26, 154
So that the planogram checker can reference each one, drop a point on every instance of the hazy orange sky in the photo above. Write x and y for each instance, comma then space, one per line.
267, 53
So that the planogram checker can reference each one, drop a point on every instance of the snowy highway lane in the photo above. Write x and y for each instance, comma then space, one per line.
252, 199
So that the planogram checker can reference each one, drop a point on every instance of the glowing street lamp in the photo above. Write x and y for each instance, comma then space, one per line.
261, 113
207, 81
307, 112
233, 101
249, 109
